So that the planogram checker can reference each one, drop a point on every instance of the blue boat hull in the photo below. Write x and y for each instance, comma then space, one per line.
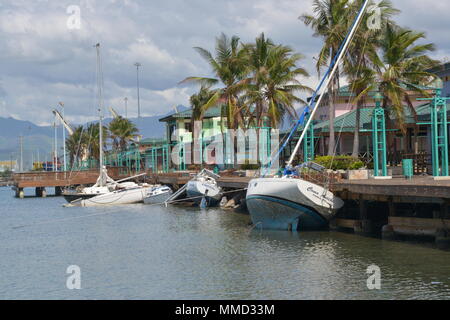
279, 214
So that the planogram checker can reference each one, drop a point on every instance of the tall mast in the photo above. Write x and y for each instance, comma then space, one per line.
329, 76
100, 110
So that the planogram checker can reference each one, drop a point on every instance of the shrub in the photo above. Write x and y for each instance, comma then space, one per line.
340, 162
249, 166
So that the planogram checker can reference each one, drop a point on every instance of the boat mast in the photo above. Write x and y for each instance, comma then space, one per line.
329, 78
100, 111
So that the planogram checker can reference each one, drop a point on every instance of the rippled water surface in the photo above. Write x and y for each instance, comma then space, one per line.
149, 252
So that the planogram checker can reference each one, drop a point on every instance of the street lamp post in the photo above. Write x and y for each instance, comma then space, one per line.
137, 65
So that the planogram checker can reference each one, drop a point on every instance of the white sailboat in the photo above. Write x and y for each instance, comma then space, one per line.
289, 203
204, 186
98, 189
107, 191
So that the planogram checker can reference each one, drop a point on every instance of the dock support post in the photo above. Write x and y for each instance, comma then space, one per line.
19, 193
391, 206
443, 239
387, 232
58, 191
41, 192
363, 227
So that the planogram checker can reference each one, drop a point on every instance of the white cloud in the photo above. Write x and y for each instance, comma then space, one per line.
43, 62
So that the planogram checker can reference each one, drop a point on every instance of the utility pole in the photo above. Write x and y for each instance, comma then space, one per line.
137, 64
126, 107
64, 136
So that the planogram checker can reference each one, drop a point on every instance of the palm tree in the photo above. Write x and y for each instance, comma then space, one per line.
400, 71
357, 65
76, 145
122, 131
230, 69
198, 102
330, 21
93, 141
258, 55
281, 84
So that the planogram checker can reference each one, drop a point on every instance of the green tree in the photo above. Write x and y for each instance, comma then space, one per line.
198, 102
275, 81
330, 21
230, 70
93, 141
122, 131
76, 145
357, 64
399, 72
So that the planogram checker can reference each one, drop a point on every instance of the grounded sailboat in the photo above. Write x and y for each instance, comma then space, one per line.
204, 186
109, 185
290, 203
158, 195
107, 191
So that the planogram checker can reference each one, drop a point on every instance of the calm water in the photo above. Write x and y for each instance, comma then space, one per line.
144, 252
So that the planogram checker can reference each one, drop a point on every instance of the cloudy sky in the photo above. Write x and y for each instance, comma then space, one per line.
43, 61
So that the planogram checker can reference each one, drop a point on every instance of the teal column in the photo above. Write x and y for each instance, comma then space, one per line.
379, 139
309, 144
165, 156
439, 132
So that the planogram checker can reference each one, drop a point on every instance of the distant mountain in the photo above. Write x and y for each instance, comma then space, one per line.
38, 141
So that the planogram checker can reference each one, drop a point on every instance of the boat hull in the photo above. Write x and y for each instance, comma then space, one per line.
197, 198
198, 190
126, 196
290, 204
158, 199
279, 214
72, 197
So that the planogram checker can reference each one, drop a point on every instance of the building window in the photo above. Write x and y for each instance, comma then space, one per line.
188, 127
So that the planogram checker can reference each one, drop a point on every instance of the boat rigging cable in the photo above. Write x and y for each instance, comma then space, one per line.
326, 79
